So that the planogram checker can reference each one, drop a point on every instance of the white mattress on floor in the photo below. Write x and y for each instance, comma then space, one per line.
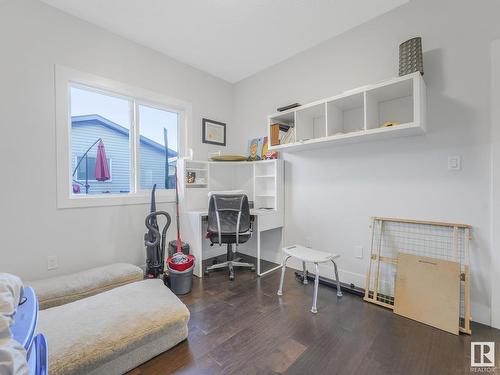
114, 331
59, 290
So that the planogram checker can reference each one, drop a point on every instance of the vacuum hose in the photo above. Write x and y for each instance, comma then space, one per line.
155, 267
156, 231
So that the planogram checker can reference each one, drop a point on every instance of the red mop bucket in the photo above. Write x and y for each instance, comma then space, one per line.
187, 260
181, 266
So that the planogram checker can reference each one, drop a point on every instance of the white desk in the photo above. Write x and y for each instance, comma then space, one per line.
194, 230
262, 181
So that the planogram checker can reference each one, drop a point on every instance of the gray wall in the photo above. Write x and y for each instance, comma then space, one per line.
33, 38
332, 193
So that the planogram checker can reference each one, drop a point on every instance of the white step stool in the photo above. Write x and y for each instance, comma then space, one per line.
306, 254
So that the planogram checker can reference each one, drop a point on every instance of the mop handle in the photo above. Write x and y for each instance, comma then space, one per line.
179, 247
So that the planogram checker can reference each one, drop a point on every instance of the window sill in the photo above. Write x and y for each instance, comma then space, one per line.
114, 200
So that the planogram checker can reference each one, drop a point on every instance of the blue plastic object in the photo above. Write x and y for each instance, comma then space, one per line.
40, 354
23, 331
26, 319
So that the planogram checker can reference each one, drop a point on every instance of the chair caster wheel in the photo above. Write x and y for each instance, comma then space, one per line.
252, 269
231, 278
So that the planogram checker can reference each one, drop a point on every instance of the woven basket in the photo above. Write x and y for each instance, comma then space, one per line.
411, 57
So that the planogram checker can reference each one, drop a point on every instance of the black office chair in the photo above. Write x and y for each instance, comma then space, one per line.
229, 222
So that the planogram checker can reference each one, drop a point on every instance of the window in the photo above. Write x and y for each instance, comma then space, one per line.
121, 141
158, 129
99, 122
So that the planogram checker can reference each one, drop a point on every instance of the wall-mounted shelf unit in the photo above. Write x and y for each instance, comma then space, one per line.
357, 115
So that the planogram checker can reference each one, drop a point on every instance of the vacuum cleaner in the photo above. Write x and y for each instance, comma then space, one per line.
154, 241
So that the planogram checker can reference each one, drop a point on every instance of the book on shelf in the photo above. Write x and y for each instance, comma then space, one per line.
282, 125
281, 133
275, 134
288, 136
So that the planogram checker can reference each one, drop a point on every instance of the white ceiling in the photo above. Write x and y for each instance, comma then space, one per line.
231, 39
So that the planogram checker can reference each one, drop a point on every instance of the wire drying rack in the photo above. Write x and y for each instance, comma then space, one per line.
444, 241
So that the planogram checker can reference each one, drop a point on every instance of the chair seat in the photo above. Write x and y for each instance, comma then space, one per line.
229, 238
309, 255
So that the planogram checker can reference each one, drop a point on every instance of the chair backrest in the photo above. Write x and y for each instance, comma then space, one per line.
228, 214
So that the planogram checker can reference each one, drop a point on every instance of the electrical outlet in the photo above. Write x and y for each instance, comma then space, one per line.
52, 263
358, 252
454, 163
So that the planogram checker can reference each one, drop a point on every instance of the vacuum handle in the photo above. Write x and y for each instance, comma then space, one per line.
156, 231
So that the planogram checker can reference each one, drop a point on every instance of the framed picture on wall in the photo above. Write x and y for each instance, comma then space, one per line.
214, 132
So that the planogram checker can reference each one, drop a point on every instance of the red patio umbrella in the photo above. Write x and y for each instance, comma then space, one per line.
101, 164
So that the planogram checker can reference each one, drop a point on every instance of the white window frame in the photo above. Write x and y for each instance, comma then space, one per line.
65, 78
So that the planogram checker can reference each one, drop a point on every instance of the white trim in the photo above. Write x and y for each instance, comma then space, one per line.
64, 77
134, 144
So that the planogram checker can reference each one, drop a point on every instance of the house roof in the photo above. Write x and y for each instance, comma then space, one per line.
97, 119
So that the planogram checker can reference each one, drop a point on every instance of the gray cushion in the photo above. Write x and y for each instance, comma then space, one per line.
59, 290
89, 335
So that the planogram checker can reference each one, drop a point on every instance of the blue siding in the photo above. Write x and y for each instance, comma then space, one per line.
117, 146
152, 167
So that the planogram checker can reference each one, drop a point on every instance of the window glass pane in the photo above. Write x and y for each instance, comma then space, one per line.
94, 117
157, 128
89, 164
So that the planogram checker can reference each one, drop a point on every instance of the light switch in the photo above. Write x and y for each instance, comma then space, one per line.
358, 252
454, 163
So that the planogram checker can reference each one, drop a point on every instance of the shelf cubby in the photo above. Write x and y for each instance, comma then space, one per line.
265, 168
311, 122
346, 114
390, 103
286, 121
200, 171
265, 202
265, 189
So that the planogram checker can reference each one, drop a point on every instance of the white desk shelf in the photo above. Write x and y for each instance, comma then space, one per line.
197, 169
357, 115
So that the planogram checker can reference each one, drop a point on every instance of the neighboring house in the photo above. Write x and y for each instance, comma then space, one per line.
85, 130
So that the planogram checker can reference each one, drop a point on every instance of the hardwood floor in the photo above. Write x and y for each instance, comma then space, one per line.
243, 327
